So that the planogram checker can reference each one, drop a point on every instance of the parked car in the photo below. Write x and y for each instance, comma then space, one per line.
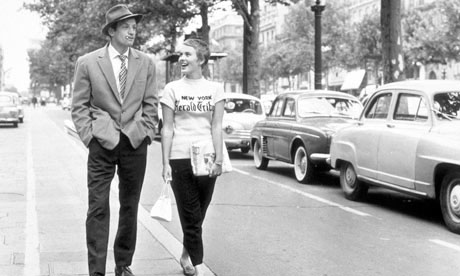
242, 111
10, 108
407, 139
299, 128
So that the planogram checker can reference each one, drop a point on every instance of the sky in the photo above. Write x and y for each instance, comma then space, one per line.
21, 29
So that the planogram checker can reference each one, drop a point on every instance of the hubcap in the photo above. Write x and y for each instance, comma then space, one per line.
350, 177
302, 162
258, 153
455, 200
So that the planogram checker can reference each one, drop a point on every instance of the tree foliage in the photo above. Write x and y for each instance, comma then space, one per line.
431, 33
74, 28
368, 40
293, 52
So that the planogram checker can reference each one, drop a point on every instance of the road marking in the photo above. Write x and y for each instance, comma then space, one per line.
446, 244
32, 246
317, 198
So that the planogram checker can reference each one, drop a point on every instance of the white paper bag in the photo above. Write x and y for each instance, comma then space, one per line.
162, 208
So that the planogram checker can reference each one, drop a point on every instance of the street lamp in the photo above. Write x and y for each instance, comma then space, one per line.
318, 8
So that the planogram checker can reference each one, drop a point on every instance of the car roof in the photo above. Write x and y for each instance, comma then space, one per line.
232, 95
316, 93
429, 86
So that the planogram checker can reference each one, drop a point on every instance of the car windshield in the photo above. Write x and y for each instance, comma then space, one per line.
447, 105
5, 100
233, 105
329, 106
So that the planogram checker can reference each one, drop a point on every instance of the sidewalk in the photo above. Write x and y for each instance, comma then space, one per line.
43, 207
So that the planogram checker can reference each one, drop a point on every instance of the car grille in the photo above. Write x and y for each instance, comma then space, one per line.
264, 145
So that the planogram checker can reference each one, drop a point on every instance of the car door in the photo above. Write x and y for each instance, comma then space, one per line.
283, 134
270, 132
398, 142
367, 135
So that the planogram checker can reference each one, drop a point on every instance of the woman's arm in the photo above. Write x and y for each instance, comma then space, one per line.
167, 133
217, 140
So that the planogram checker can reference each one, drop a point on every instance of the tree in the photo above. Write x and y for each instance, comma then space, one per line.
368, 45
75, 29
390, 18
293, 53
431, 33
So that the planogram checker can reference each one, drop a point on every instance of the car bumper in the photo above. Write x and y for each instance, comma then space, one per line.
238, 139
9, 120
237, 143
318, 158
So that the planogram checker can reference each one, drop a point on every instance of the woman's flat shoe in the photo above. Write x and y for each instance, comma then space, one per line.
188, 269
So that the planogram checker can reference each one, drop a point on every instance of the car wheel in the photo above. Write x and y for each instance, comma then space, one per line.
260, 161
450, 201
303, 169
353, 188
15, 124
21, 120
244, 150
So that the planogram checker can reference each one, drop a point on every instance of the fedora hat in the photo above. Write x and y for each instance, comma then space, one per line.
118, 13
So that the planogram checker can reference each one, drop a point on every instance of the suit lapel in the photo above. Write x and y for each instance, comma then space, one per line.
133, 67
106, 66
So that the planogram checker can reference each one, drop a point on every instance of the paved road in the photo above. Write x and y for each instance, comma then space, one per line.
259, 223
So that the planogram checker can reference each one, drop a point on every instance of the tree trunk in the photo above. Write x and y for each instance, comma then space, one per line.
204, 33
390, 19
253, 60
246, 39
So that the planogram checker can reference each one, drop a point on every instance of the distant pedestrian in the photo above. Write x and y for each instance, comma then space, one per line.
34, 101
193, 108
114, 109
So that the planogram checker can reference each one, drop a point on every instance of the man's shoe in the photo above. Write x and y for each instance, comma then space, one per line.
123, 271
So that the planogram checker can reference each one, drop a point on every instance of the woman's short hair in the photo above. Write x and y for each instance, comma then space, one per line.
201, 48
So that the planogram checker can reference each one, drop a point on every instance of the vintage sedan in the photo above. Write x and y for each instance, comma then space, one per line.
408, 140
299, 128
242, 112
10, 108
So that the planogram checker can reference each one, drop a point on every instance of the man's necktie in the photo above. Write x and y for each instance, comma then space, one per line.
122, 76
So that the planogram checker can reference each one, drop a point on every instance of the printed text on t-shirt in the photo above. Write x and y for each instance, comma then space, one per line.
200, 104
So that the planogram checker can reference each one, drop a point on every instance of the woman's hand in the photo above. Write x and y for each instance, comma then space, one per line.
216, 170
166, 174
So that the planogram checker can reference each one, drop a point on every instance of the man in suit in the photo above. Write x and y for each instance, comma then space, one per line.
114, 109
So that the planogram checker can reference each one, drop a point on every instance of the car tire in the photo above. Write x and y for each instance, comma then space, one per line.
260, 161
21, 120
353, 188
303, 168
245, 150
15, 124
450, 201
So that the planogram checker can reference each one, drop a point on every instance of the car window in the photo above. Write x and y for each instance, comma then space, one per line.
379, 107
447, 105
312, 106
289, 108
410, 107
243, 105
345, 107
328, 106
5, 100
276, 108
